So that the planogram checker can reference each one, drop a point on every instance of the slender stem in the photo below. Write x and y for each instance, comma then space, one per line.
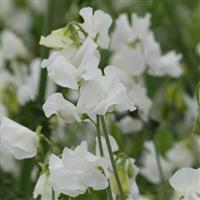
44, 51
99, 136
112, 157
108, 190
53, 195
159, 167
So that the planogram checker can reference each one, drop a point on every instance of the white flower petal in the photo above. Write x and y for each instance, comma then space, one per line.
56, 104
43, 188
63, 73
20, 141
96, 25
95, 179
186, 180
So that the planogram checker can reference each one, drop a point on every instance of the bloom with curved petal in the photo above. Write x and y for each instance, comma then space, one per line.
27, 89
149, 166
168, 64
57, 104
138, 95
122, 34
43, 188
186, 181
130, 61
104, 94
70, 67
180, 155
97, 25
77, 171
20, 141
12, 46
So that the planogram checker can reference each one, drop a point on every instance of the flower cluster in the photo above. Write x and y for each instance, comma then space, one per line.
80, 90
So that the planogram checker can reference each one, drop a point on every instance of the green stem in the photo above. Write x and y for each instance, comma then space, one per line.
159, 168
44, 51
99, 136
112, 158
25, 184
53, 195
108, 190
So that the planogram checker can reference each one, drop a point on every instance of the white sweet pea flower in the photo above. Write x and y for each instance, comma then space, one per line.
135, 49
186, 181
141, 26
104, 94
7, 161
130, 61
77, 171
138, 94
130, 34
82, 65
130, 125
20, 141
96, 25
122, 34
63, 180
149, 167
16, 18
12, 46
180, 156
191, 112
57, 104
27, 89
168, 64
43, 188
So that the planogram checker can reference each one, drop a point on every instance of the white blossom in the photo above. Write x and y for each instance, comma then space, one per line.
186, 182
96, 25
16, 18
135, 49
12, 46
130, 60
77, 171
138, 94
180, 156
104, 94
149, 167
168, 64
122, 34
43, 188
129, 125
57, 104
27, 89
20, 141
68, 72
7, 160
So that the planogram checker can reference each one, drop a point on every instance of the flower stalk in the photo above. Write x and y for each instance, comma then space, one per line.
112, 158
108, 190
